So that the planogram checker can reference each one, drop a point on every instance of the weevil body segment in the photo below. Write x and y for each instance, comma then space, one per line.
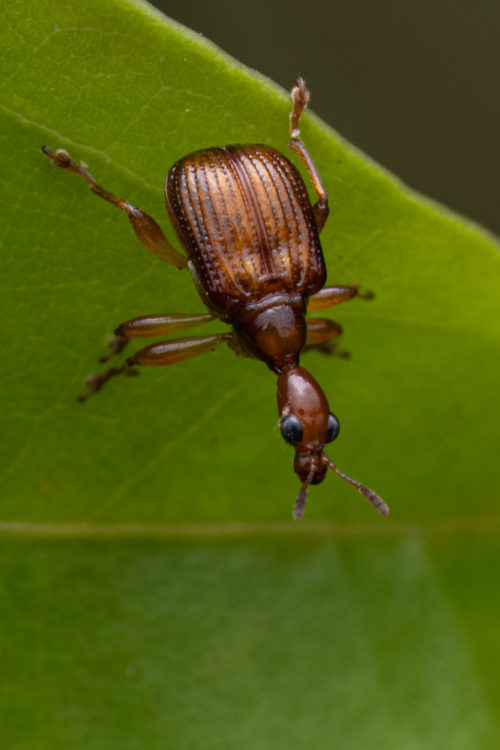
250, 236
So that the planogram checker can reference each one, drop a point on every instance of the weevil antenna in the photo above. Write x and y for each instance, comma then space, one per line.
300, 503
370, 495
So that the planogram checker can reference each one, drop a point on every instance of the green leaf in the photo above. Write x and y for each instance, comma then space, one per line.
375, 632
244, 644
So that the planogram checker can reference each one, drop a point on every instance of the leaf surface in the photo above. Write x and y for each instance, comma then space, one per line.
244, 631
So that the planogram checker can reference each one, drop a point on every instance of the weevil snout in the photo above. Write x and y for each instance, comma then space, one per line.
311, 466
309, 463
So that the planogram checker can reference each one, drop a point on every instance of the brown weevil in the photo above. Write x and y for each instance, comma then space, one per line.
244, 218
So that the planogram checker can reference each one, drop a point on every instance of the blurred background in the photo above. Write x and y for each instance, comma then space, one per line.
413, 84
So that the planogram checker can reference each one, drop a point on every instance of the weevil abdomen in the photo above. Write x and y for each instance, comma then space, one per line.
245, 219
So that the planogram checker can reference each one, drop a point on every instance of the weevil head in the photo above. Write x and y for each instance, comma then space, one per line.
306, 423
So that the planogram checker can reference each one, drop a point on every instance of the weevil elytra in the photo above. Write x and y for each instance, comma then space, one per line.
243, 216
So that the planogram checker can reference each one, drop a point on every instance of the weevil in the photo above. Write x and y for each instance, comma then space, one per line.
243, 216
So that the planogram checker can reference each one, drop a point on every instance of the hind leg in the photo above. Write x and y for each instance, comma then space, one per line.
161, 354
145, 227
300, 100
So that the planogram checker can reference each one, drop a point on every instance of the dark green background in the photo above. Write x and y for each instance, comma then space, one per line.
414, 84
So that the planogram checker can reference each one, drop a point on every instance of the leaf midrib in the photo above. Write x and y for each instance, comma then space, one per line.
444, 527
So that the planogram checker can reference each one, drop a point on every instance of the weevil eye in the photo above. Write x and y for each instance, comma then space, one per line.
291, 429
333, 428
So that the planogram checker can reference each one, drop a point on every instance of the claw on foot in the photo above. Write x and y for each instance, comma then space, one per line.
116, 346
59, 158
300, 100
62, 159
329, 348
96, 382
365, 294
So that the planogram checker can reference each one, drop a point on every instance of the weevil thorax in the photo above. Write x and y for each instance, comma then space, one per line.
306, 422
272, 329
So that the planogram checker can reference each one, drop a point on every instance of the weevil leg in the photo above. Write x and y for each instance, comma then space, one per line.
300, 99
335, 295
145, 227
96, 382
149, 326
322, 335
178, 350
161, 354
320, 330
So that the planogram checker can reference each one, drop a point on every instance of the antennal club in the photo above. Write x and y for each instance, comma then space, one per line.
370, 495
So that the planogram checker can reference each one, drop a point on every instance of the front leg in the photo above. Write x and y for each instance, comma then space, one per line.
145, 227
150, 326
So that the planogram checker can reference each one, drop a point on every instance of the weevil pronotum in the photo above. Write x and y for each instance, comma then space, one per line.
251, 235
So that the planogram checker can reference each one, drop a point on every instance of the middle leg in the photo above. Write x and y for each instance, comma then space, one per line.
330, 296
322, 335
